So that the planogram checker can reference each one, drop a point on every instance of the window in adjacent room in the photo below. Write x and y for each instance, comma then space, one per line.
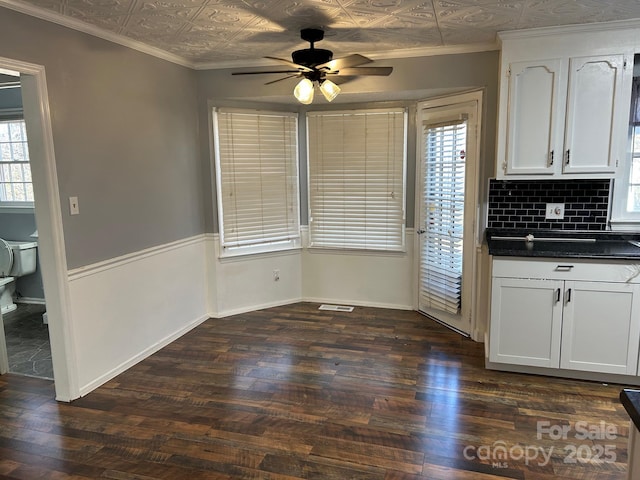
625, 205
357, 162
633, 193
16, 188
257, 177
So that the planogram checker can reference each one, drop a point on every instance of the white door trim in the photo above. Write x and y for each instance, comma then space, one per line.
470, 256
51, 246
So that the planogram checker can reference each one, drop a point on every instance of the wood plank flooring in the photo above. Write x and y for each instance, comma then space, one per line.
296, 393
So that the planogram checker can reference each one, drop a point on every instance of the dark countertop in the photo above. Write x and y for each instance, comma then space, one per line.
631, 401
562, 244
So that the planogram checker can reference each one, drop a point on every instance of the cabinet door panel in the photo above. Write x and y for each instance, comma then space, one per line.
526, 319
533, 95
591, 138
600, 330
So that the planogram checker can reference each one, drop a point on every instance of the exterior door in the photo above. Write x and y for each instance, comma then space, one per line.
447, 200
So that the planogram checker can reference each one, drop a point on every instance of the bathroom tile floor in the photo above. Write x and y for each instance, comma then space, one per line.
27, 340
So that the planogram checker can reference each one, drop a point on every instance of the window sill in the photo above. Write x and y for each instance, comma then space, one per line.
625, 225
227, 255
355, 251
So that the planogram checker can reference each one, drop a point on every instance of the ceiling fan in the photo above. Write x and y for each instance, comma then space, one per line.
315, 65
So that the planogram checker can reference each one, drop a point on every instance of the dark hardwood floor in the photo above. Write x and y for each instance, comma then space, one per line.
293, 392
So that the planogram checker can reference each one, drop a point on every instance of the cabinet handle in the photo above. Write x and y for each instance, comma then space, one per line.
568, 156
568, 295
551, 158
557, 295
564, 268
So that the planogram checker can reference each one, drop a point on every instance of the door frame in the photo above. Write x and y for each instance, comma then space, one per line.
452, 100
48, 213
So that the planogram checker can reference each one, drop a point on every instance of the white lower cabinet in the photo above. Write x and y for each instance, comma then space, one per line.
600, 327
526, 322
571, 322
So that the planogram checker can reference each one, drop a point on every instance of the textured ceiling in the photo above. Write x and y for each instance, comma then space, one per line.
206, 32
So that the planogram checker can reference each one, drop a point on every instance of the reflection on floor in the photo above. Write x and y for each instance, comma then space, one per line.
28, 344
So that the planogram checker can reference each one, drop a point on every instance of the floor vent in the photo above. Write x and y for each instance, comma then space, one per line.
336, 308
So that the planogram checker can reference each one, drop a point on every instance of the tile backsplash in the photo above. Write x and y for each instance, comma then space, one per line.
522, 203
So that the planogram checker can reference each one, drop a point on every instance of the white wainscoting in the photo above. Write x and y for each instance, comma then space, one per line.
129, 307
374, 279
246, 283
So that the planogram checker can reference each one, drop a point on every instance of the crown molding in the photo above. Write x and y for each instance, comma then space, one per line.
575, 28
391, 54
435, 51
84, 27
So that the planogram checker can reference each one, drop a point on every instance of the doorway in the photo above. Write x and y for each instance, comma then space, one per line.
48, 215
22, 302
447, 185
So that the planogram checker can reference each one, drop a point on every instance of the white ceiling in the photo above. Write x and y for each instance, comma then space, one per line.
209, 33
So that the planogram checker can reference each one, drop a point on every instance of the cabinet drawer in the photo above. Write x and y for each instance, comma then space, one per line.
567, 269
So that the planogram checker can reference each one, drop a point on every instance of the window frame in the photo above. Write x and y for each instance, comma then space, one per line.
226, 251
27, 206
620, 219
361, 249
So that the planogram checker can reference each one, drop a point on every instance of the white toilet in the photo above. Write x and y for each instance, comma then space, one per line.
16, 260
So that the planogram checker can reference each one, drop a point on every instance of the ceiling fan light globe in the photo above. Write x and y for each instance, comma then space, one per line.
304, 91
329, 89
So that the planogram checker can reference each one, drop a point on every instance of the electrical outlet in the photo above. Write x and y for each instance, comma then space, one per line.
554, 211
276, 275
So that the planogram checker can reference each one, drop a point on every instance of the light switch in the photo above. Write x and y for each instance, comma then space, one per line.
74, 208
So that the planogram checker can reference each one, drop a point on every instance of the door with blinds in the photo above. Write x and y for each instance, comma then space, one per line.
447, 199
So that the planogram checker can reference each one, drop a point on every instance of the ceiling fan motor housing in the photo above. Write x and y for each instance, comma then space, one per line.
310, 57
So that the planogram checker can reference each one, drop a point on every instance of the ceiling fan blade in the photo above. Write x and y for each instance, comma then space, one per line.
301, 68
265, 71
280, 79
365, 71
345, 62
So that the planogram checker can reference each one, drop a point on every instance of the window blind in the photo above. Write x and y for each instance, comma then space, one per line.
356, 179
443, 220
257, 174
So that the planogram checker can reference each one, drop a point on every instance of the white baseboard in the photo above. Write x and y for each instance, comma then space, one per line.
358, 303
140, 356
253, 308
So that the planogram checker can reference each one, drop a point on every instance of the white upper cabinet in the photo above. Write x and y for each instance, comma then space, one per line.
596, 118
563, 108
532, 117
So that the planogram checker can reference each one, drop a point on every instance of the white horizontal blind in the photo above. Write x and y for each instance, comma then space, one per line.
443, 217
257, 175
15, 170
356, 179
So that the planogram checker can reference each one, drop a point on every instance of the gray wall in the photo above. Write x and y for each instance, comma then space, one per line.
10, 98
125, 133
412, 79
